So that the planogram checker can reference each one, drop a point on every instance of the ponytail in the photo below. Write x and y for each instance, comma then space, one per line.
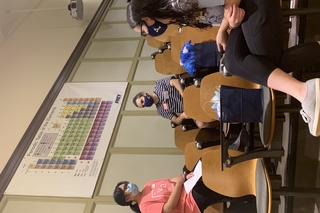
135, 207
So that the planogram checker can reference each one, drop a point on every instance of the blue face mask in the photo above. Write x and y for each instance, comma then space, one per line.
133, 188
157, 28
148, 100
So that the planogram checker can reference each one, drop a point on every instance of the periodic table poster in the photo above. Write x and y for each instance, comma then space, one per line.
66, 155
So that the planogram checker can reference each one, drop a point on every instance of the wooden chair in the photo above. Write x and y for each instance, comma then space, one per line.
192, 105
152, 42
209, 84
159, 66
246, 178
198, 35
176, 48
182, 138
168, 62
192, 154
165, 65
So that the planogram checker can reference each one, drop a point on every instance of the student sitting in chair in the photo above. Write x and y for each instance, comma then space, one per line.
168, 195
167, 96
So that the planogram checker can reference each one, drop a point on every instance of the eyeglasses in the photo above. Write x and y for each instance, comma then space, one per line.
142, 32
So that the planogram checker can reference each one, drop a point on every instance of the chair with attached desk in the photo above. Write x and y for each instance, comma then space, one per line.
192, 155
207, 89
246, 178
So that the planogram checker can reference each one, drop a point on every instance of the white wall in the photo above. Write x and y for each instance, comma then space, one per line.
31, 58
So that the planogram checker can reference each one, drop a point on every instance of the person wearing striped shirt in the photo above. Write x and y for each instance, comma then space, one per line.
167, 96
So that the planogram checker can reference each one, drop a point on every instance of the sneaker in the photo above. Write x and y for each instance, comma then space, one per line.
311, 106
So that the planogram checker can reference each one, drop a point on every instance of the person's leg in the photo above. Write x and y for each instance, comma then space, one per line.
263, 28
240, 62
263, 32
210, 125
205, 197
300, 56
307, 93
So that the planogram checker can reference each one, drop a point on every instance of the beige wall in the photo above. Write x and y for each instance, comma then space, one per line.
31, 59
141, 139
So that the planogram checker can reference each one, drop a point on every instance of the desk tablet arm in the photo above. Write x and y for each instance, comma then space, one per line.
229, 161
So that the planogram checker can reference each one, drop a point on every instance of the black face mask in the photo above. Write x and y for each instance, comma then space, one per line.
156, 29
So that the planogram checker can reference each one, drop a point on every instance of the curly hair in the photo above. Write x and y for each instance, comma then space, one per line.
183, 12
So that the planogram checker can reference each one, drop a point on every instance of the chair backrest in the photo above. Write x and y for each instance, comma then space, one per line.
182, 138
209, 84
198, 35
159, 65
191, 105
169, 63
192, 154
152, 42
176, 48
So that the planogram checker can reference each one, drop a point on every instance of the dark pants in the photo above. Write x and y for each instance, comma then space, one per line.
254, 50
205, 197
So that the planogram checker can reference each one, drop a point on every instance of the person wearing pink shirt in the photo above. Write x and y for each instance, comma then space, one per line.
168, 196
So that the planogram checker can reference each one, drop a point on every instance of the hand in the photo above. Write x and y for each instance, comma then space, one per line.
235, 16
222, 38
190, 175
180, 179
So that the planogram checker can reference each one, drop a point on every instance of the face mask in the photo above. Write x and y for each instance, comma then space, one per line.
148, 101
133, 188
156, 29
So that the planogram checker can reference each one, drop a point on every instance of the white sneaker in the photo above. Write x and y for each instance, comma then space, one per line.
311, 106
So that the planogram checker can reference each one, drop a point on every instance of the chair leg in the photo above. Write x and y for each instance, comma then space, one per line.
300, 11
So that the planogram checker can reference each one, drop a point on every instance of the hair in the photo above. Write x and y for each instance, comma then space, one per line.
133, 19
136, 97
184, 13
120, 199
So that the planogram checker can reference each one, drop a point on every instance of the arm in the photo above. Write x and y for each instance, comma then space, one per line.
233, 17
173, 200
176, 83
178, 120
